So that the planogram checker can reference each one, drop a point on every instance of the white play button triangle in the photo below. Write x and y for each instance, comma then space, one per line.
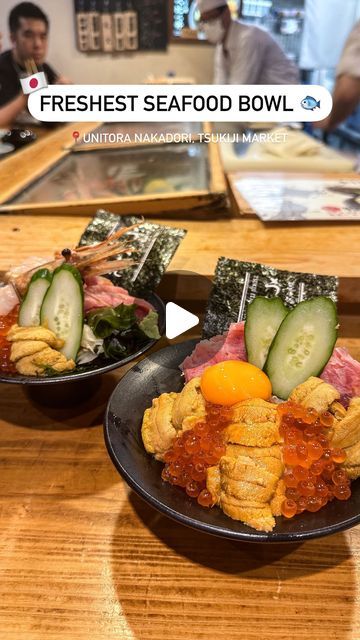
178, 320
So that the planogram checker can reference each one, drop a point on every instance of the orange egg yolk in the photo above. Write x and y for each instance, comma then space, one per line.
231, 381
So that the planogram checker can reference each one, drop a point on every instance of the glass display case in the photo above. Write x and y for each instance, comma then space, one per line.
123, 177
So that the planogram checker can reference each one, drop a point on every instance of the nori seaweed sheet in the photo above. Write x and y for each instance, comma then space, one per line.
238, 283
155, 246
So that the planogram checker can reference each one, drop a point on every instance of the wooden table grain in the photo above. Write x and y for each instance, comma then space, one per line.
82, 557
318, 248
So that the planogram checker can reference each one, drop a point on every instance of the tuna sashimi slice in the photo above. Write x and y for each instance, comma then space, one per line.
101, 292
343, 372
228, 346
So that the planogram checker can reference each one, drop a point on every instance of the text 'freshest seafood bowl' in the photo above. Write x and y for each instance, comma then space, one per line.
268, 422
61, 315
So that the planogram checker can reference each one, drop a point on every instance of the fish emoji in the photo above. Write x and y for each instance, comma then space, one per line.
310, 103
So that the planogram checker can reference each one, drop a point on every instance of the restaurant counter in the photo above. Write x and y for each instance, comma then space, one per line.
83, 557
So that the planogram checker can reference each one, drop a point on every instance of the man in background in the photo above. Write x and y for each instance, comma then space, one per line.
245, 54
29, 30
346, 95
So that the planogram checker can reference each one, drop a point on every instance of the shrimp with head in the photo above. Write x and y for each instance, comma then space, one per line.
112, 254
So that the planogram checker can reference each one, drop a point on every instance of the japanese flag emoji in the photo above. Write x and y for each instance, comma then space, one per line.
34, 82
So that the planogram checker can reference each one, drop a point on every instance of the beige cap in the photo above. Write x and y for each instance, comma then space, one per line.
208, 5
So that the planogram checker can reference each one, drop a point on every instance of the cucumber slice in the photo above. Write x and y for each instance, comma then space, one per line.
263, 318
63, 308
29, 314
303, 345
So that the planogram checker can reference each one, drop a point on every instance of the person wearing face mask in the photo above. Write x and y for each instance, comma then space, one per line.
245, 54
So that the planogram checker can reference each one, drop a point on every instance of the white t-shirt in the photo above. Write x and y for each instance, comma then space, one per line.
350, 58
253, 57
327, 24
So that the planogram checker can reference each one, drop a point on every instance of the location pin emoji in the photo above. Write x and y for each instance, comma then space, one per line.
75, 134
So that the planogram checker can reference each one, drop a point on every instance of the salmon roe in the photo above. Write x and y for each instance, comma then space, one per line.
313, 474
6, 323
194, 451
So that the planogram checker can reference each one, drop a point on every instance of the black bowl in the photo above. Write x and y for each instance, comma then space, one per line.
159, 373
95, 368
19, 137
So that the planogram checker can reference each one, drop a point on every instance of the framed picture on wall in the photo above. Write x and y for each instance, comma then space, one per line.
115, 26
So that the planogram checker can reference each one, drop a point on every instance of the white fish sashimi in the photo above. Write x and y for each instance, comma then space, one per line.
8, 299
8, 296
27, 265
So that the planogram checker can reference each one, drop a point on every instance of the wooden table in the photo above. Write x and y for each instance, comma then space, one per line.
82, 557
319, 248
